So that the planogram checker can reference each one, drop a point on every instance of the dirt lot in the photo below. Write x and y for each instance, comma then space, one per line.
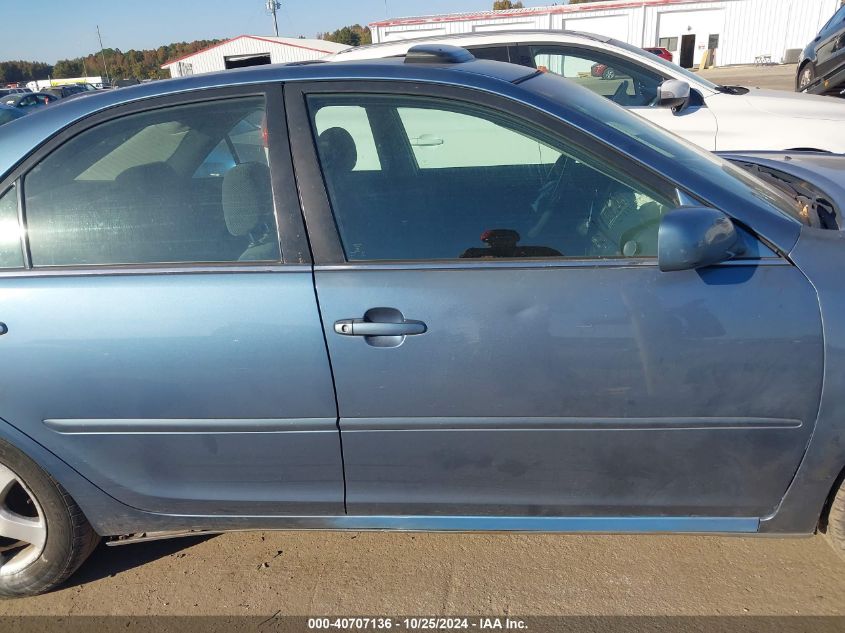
428, 574
780, 77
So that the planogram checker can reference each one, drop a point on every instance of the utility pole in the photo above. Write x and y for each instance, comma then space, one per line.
103, 54
272, 7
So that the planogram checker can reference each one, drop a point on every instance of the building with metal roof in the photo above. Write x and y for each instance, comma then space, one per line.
737, 31
250, 50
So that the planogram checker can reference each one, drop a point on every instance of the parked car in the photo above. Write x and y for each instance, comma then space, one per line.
715, 117
602, 70
821, 67
813, 179
572, 322
28, 101
660, 52
63, 92
125, 83
8, 113
12, 91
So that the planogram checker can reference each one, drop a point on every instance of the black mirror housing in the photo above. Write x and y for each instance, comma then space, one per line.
696, 237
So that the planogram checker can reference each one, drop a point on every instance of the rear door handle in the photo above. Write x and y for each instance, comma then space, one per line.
361, 327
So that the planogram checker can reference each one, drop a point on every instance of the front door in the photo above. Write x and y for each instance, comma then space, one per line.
626, 83
157, 337
502, 340
687, 51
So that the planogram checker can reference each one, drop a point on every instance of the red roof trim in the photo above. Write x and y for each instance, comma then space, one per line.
239, 37
308, 48
517, 13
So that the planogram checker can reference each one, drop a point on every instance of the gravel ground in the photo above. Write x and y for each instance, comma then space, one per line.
369, 573
780, 77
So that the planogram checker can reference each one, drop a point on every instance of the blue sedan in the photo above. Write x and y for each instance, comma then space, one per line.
431, 293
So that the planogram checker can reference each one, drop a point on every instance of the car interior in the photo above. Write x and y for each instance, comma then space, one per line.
153, 188
492, 201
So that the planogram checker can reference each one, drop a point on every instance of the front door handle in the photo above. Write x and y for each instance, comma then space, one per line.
361, 327
381, 327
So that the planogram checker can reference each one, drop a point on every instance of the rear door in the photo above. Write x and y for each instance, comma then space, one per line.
163, 334
514, 350
626, 83
831, 45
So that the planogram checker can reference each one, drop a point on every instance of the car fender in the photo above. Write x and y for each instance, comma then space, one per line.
104, 512
824, 460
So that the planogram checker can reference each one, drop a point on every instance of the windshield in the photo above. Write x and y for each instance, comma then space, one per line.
705, 164
674, 68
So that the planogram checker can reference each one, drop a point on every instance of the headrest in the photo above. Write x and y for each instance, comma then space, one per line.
247, 197
337, 150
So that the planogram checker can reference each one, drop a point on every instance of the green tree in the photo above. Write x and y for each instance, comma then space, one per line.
580, 1
137, 64
503, 5
355, 35
22, 71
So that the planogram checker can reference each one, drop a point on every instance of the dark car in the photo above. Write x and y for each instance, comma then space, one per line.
63, 92
821, 68
125, 83
513, 304
28, 101
8, 113
660, 52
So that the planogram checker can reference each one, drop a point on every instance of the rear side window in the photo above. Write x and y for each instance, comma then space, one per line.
124, 192
11, 255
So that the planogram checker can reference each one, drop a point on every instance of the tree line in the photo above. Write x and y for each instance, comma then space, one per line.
138, 64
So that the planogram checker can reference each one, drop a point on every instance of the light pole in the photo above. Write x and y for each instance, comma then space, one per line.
103, 54
272, 7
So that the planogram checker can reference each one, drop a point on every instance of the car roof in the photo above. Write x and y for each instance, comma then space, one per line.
19, 139
468, 39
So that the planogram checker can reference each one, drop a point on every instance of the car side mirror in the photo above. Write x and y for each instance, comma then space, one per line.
675, 94
695, 237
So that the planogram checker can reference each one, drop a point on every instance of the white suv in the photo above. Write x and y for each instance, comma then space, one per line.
725, 118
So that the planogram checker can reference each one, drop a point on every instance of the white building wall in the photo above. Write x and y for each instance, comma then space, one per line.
746, 28
213, 59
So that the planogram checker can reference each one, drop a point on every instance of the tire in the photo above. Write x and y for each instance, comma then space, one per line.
45, 513
609, 74
806, 76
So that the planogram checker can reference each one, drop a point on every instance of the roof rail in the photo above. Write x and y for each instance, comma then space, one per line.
437, 54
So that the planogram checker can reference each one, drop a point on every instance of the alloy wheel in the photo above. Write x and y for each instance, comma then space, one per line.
806, 77
23, 528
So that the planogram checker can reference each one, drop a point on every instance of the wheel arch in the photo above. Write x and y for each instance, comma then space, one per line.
96, 505
825, 511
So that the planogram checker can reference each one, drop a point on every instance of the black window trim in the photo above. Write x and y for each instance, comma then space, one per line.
291, 231
326, 247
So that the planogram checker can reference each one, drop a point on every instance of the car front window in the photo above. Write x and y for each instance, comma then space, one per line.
462, 181
680, 151
690, 76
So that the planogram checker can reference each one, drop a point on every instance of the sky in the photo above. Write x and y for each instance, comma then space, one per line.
49, 30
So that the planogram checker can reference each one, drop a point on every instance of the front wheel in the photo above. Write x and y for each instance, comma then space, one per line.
609, 74
44, 536
806, 75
